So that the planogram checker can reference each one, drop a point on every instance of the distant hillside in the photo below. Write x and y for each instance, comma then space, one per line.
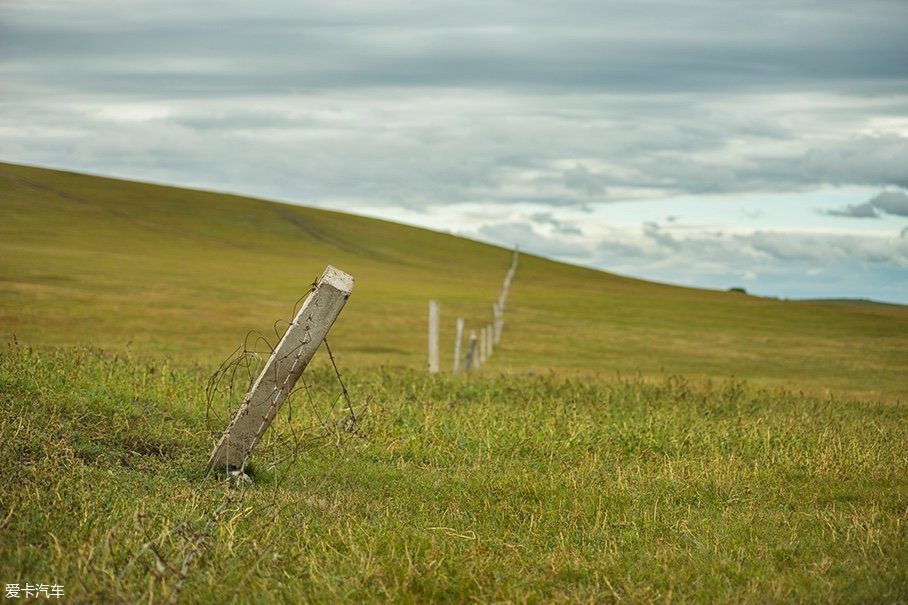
160, 271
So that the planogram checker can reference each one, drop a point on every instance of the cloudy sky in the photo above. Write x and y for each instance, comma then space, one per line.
718, 143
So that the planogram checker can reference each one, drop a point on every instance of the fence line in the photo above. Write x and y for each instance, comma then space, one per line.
481, 347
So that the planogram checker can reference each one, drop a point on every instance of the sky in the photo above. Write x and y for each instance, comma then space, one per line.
712, 143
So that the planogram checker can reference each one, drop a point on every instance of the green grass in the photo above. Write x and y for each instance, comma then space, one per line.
539, 489
163, 271
628, 441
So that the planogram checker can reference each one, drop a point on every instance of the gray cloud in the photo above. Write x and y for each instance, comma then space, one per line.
661, 238
453, 102
891, 202
865, 210
825, 249
559, 227
580, 178
522, 234
869, 160
664, 46
780, 262
417, 106
656, 246
887, 202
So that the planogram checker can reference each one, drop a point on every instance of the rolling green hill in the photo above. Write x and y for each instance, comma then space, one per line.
603, 455
166, 271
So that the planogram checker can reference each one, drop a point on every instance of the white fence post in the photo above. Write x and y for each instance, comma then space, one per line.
284, 367
458, 337
482, 346
433, 337
471, 361
489, 338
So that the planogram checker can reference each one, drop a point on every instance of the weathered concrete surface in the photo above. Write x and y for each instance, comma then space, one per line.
286, 365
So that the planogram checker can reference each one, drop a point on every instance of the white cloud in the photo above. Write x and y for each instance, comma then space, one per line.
524, 236
516, 117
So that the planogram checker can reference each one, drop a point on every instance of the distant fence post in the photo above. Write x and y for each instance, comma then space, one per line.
433, 337
284, 367
471, 361
482, 346
458, 337
489, 338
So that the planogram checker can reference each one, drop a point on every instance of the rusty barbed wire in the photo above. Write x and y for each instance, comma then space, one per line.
314, 421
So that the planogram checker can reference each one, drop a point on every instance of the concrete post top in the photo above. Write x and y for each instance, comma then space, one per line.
337, 279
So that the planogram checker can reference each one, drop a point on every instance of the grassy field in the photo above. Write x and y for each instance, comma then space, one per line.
500, 490
628, 441
184, 274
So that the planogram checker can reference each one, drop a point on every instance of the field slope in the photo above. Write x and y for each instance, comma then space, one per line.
167, 271
629, 442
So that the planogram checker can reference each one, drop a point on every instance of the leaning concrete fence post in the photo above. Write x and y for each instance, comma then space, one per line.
433, 337
284, 367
